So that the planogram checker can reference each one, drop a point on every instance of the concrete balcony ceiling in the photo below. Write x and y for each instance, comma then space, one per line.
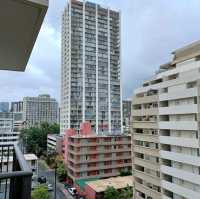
20, 23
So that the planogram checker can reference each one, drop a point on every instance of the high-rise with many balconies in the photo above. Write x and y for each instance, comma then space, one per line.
90, 75
166, 134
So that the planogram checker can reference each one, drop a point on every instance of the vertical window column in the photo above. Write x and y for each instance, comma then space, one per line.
69, 93
83, 62
97, 75
109, 98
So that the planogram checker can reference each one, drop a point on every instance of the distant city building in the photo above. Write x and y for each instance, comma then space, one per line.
166, 130
37, 110
7, 133
90, 74
126, 115
18, 121
16, 106
88, 155
17, 110
54, 143
4, 106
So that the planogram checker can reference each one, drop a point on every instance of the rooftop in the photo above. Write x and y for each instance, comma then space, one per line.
187, 52
30, 156
98, 136
27, 157
116, 182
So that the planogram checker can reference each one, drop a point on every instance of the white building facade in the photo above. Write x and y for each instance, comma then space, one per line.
7, 133
37, 110
90, 75
54, 143
166, 134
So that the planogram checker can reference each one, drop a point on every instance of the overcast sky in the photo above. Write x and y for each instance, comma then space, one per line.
151, 30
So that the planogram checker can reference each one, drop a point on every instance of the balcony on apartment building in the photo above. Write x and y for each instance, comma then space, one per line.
145, 122
142, 98
20, 23
145, 189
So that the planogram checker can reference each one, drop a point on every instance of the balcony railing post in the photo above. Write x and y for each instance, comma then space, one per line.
20, 178
26, 186
15, 183
15, 188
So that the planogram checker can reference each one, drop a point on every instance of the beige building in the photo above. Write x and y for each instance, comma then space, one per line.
37, 110
165, 137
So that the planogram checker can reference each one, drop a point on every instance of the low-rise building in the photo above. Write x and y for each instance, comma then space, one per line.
54, 143
95, 189
88, 155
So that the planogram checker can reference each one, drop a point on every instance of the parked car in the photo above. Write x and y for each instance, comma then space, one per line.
50, 187
72, 191
42, 179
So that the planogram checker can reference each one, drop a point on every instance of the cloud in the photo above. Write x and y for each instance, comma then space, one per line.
151, 30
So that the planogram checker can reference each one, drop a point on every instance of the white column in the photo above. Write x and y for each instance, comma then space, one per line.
121, 91
69, 107
83, 112
109, 97
97, 75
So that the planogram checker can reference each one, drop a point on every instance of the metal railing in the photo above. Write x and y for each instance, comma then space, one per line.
15, 173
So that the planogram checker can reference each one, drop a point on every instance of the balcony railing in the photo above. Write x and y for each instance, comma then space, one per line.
15, 173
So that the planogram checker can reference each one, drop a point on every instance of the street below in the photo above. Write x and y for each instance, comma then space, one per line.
43, 170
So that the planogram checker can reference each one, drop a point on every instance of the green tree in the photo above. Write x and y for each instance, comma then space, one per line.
61, 171
35, 138
41, 192
126, 193
111, 193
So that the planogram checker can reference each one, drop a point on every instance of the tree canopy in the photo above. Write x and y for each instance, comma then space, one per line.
61, 171
112, 193
41, 192
35, 138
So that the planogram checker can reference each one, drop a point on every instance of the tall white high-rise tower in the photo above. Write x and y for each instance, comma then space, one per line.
90, 74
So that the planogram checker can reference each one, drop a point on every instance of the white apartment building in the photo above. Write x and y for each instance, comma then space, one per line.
90, 74
7, 133
54, 143
166, 134
37, 110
